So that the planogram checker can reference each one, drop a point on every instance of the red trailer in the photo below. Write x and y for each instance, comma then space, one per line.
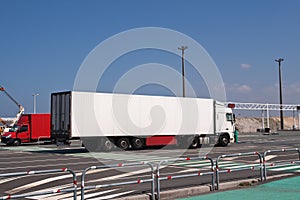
29, 128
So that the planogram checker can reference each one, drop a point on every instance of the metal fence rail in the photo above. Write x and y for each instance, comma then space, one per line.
253, 167
120, 165
278, 163
155, 177
198, 173
28, 173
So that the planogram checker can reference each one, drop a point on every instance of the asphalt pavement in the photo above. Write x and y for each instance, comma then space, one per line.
286, 189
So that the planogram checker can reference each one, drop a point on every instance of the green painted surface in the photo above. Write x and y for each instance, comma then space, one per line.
286, 189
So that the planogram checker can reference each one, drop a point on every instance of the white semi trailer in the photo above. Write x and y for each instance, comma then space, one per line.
104, 120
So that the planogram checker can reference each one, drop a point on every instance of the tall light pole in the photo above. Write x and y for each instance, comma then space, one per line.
280, 93
182, 48
34, 102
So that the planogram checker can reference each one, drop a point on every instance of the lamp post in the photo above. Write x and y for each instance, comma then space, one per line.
34, 102
280, 93
182, 48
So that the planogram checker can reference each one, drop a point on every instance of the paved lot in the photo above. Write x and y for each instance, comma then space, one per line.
46, 157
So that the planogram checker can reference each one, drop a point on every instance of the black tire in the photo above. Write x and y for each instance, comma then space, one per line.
123, 143
195, 143
188, 142
16, 142
223, 140
137, 143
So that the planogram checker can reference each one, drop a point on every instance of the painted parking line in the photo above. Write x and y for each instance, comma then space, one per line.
284, 168
121, 156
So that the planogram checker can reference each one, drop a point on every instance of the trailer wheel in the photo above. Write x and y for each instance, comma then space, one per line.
137, 143
123, 143
16, 142
223, 140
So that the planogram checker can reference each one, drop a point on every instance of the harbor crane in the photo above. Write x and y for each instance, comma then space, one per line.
5, 126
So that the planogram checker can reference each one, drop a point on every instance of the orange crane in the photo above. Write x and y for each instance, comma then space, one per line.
21, 111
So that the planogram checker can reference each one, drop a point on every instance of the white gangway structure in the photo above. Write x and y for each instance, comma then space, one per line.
265, 107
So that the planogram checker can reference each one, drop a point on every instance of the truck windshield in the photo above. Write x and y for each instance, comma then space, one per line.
229, 117
14, 128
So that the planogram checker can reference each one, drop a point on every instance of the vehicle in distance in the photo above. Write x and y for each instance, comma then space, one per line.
29, 128
105, 120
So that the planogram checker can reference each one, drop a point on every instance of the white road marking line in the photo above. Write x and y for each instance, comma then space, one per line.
268, 157
98, 193
38, 183
9, 179
242, 166
120, 175
54, 165
68, 196
113, 195
34, 161
230, 158
229, 165
25, 157
6, 153
283, 168
48, 180
122, 156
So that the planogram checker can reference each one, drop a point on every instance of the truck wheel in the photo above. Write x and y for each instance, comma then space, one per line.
123, 143
137, 143
223, 140
16, 142
195, 143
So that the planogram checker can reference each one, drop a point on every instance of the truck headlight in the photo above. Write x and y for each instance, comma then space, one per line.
8, 136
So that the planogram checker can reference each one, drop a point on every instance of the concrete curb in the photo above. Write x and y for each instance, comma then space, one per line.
203, 189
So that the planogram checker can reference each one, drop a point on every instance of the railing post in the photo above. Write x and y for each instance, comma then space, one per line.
213, 174
153, 181
264, 164
83, 179
157, 179
217, 173
74, 184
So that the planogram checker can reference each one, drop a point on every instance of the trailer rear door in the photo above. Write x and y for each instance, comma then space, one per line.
60, 116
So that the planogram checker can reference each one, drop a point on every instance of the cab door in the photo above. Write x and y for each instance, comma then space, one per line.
24, 133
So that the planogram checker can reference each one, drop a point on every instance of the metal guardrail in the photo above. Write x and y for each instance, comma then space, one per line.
28, 173
279, 163
155, 177
218, 171
120, 165
198, 173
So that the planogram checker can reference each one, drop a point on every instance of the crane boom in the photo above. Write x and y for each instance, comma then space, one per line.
9, 96
21, 109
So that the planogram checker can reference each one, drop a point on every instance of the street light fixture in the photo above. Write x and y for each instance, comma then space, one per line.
34, 102
280, 93
182, 48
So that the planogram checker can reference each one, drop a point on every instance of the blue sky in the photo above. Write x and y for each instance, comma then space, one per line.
43, 43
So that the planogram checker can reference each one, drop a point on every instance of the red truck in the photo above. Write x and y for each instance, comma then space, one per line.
29, 128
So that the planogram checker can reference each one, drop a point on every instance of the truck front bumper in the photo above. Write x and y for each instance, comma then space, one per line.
6, 140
